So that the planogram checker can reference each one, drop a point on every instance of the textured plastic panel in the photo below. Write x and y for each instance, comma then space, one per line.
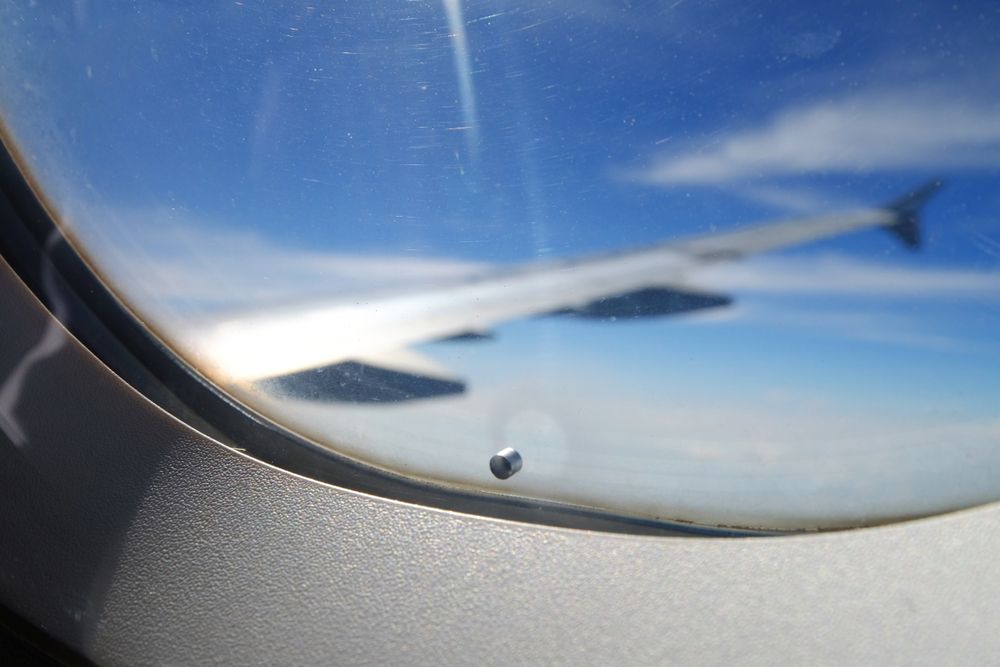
138, 541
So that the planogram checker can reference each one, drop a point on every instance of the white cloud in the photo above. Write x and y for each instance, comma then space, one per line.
781, 459
795, 200
175, 272
837, 275
199, 264
895, 328
932, 129
162, 259
852, 299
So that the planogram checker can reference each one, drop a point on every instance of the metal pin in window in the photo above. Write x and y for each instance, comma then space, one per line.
505, 463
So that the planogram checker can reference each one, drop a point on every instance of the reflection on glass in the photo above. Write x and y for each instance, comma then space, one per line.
422, 232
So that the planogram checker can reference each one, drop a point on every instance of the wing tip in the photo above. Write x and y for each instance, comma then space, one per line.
906, 213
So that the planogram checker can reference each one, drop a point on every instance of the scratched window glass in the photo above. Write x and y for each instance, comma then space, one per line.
733, 263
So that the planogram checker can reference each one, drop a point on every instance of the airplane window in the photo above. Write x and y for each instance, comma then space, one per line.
731, 263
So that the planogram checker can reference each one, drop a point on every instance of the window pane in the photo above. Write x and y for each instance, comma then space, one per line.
422, 232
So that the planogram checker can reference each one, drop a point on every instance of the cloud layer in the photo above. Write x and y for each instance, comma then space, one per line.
838, 275
177, 274
753, 467
861, 133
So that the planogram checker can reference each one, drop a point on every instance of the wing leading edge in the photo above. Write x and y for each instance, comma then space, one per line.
647, 281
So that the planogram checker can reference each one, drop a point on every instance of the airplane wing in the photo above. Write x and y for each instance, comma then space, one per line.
365, 337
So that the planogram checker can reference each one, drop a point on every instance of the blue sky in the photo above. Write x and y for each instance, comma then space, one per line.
232, 154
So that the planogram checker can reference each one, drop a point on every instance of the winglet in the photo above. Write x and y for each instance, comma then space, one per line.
906, 224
